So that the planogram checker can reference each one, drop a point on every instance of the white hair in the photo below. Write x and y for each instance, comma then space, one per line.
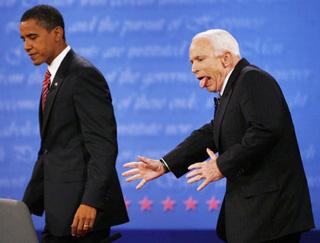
221, 40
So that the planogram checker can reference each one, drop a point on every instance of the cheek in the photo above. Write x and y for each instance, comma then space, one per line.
45, 52
207, 70
42, 45
212, 73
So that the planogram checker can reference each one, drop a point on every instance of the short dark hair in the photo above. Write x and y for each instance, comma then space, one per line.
48, 17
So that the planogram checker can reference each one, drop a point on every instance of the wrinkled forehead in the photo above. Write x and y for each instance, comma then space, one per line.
201, 46
201, 42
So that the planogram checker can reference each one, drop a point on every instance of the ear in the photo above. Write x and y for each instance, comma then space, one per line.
58, 31
226, 59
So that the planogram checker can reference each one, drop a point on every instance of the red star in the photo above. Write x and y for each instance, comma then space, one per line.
213, 204
168, 204
191, 204
127, 202
145, 204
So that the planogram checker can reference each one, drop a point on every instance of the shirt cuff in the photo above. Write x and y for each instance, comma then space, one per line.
165, 165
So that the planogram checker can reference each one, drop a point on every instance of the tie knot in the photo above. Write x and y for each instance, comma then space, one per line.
216, 101
47, 74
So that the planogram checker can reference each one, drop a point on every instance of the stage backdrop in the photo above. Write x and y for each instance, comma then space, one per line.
141, 46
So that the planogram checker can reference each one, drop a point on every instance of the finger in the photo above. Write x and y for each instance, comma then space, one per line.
195, 179
133, 178
80, 227
87, 225
144, 159
211, 154
74, 225
93, 219
195, 166
141, 184
130, 172
203, 185
131, 164
194, 173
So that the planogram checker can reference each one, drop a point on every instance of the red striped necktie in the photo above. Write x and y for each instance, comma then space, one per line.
45, 89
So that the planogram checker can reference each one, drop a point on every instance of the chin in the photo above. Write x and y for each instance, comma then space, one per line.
211, 90
36, 62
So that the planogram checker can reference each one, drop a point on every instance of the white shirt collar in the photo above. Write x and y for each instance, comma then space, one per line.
55, 64
225, 82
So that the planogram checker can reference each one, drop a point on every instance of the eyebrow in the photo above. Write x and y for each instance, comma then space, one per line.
198, 57
28, 35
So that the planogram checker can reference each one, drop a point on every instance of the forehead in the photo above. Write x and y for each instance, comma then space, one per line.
31, 25
201, 46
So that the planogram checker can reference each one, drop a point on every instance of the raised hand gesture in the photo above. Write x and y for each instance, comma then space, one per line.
145, 169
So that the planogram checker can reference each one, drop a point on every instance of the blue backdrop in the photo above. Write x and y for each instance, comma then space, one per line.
141, 46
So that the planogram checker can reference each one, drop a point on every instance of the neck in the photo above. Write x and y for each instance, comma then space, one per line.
233, 63
58, 50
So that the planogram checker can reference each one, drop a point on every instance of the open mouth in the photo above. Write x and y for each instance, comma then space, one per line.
203, 81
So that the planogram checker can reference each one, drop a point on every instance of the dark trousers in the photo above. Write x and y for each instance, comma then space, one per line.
92, 237
292, 238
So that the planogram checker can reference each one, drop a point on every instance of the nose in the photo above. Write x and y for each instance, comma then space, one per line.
194, 68
27, 46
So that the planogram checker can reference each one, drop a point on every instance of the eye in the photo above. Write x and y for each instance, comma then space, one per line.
32, 36
200, 59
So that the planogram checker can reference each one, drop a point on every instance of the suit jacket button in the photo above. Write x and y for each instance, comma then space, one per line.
45, 151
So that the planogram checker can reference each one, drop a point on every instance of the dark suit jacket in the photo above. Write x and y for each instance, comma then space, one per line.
76, 161
267, 194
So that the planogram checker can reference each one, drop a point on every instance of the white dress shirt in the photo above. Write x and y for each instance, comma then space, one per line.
225, 82
55, 64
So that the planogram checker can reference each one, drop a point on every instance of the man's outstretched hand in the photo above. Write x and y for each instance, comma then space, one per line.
145, 169
207, 170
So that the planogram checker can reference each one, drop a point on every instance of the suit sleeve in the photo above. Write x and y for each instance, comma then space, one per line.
191, 150
94, 108
34, 194
263, 108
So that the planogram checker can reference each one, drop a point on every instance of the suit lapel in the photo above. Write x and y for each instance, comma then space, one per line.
219, 115
218, 119
56, 84
40, 117
54, 88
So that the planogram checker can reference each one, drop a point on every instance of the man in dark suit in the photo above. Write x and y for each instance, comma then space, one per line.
74, 180
267, 197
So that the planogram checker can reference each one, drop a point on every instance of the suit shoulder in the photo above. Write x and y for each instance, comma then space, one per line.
256, 82
256, 71
85, 75
81, 66
253, 75
78, 62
